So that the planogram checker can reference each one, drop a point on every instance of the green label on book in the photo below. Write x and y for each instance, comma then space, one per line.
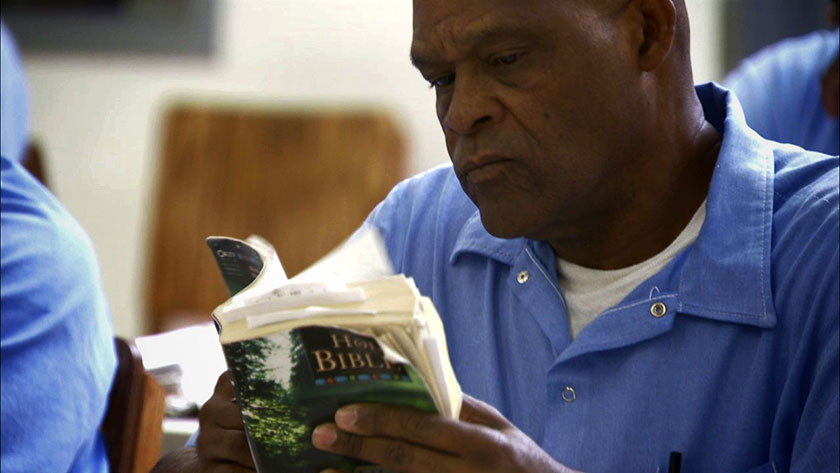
337, 356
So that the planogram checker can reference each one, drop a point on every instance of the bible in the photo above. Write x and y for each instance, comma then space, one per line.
346, 330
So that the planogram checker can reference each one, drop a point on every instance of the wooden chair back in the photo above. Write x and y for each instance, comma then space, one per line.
304, 180
33, 161
133, 425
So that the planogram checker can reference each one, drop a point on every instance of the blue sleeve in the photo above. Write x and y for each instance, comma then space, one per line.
419, 217
57, 345
815, 446
193, 440
384, 218
14, 107
806, 280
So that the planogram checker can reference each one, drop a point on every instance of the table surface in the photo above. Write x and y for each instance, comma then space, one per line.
176, 432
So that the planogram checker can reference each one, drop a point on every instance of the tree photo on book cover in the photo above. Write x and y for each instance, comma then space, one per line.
274, 419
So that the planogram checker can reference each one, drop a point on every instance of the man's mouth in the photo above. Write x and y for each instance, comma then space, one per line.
481, 167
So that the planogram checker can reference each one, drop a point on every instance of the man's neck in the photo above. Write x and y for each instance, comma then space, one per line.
662, 196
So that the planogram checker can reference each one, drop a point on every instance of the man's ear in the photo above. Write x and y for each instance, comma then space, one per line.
658, 20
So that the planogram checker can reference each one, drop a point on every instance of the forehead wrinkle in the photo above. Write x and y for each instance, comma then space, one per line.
463, 40
429, 44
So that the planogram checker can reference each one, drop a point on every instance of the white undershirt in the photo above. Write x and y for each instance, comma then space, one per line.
588, 292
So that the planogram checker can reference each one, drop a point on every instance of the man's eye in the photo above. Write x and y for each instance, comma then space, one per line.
506, 59
442, 81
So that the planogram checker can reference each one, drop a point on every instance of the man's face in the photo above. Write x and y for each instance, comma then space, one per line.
536, 99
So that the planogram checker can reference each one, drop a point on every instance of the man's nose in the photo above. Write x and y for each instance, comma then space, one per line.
471, 105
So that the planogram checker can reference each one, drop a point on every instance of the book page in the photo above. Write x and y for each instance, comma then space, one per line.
362, 256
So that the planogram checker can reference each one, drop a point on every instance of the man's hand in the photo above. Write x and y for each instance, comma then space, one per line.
411, 441
221, 441
221, 444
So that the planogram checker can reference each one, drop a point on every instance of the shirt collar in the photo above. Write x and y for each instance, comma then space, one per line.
726, 275
473, 238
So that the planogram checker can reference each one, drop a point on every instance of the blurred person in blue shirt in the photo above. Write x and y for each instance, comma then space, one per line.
790, 91
624, 269
56, 340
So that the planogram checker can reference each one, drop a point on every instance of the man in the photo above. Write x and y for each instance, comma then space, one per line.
790, 91
56, 340
584, 158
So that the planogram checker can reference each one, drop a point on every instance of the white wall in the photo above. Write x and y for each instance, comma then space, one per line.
98, 116
706, 39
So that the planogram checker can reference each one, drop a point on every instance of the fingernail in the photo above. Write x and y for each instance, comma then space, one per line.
346, 416
323, 436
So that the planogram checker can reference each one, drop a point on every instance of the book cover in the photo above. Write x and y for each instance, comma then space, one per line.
288, 381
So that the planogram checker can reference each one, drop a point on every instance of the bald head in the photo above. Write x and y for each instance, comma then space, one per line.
661, 22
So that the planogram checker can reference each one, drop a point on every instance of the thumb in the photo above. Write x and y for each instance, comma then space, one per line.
224, 387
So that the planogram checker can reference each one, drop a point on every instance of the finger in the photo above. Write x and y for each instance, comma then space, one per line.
476, 411
390, 453
418, 427
224, 387
221, 445
218, 412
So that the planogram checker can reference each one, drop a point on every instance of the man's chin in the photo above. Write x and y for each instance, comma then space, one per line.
501, 216
501, 227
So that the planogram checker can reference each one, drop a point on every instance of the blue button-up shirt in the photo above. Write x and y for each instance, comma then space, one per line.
738, 371
56, 339
14, 108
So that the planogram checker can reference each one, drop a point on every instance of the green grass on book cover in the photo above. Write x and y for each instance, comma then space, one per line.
289, 382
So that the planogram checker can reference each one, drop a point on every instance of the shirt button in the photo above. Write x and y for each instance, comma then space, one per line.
522, 277
568, 394
658, 309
